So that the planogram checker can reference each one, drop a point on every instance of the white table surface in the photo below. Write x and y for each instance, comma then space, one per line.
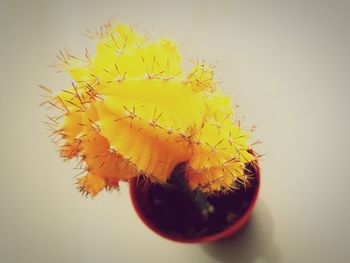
286, 62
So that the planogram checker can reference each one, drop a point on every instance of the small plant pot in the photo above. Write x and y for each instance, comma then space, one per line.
171, 214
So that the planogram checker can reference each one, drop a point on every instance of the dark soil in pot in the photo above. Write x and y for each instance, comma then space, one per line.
173, 213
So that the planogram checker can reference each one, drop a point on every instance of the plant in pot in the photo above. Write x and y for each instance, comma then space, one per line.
131, 113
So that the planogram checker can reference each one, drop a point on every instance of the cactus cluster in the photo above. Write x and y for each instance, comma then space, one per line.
131, 111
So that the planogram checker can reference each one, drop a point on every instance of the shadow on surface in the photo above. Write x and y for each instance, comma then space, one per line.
253, 243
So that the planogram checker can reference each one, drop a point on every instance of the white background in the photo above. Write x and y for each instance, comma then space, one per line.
286, 63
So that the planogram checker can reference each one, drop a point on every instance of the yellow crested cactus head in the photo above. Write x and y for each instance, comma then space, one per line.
131, 110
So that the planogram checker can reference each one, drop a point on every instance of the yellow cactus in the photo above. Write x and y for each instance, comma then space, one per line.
131, 111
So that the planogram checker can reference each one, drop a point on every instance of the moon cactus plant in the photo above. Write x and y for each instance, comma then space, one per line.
131, 111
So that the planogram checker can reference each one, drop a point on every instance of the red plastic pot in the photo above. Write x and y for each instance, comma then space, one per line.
139, 194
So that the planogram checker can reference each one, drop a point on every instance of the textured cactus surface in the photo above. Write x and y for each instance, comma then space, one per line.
131, 110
